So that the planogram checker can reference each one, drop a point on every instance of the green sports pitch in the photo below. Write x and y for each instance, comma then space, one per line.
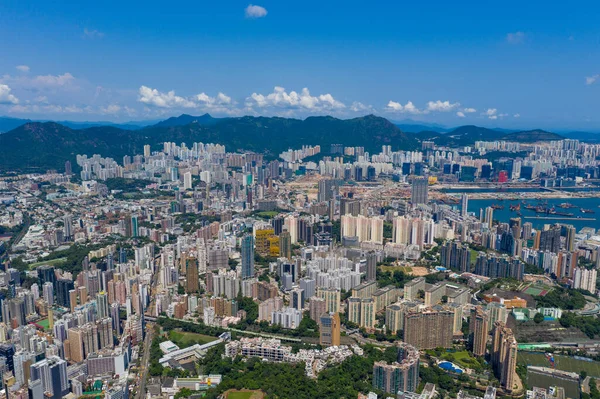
565, 363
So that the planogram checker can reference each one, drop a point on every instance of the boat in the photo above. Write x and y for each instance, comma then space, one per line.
494, 206
566, 205
582, 210
515, 207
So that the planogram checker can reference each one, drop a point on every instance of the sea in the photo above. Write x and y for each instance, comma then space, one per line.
504, 215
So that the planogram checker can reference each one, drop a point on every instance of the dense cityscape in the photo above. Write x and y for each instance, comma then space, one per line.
195, 269
299, 199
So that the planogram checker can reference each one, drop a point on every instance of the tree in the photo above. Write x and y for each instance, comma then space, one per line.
538, 318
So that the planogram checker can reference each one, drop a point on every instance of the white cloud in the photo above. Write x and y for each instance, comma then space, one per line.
409, 108
41, 99
52, 81
92, 34
460, 114
253, 11
590, 80
163, 100
517, 115
491, 113
280, 98
357, 106
441, 106
111, 109
515, 37
469, 110
22, 68
207, 101
6, 97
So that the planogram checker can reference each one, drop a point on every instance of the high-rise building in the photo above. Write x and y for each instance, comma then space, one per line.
585, 279
68, 168
317, 307
504, 355
63, 286
400, 376
478, 331
187, 181
102, 304
371, 266
285, 244
247, 256
489, 216
52, 372
429, 329
420, 190
330, 329
68, 227
550, 239
464, 209
297, 298
327, 190
570, 242
192, 282
332, 299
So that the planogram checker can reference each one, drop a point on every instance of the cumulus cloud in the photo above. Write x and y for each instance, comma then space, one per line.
357, 106
253, 11
409, 108
517, 115
159, 99
280, 98
6, 97
52, 81
590, 80
515, 37
491, 113
92, 34
111, 109
22, 68
460, 114
441, 106
469, 110
208, 101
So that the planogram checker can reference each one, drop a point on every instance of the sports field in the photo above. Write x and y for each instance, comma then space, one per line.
564, 363
244, 394
405, 269
185, 339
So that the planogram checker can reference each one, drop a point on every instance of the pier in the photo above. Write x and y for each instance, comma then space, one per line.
556, 218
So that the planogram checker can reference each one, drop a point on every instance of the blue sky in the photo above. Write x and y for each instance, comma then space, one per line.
512, 64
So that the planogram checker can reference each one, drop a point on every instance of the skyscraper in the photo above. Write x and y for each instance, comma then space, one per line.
68, 227
327, 188
248, 256
330, 329
489, 216
399, 376
550, 239
420, 190
192, 282
102, 305
504, 355
478, 331
371, 266
285, 244
464, 205
429, 329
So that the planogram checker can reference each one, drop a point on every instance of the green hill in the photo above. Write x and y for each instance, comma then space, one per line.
41, 146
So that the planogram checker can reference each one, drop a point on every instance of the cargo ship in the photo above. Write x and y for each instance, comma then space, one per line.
583, 210
494, 206
515, 207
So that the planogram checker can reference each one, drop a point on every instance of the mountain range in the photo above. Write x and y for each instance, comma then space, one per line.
38, 146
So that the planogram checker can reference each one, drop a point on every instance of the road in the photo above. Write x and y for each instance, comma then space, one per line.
145, 365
